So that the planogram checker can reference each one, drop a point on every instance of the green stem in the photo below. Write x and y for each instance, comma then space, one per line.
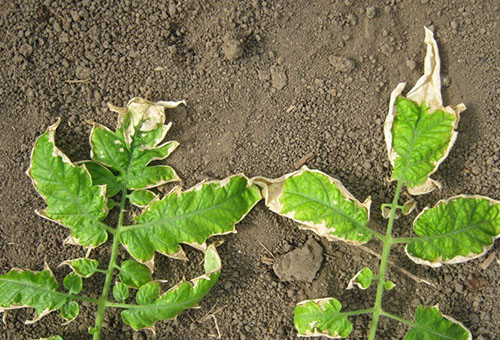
103, 301
397, 318
405, 239
377, 308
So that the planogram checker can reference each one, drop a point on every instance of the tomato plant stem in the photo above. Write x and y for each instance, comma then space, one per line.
103, 301
388, 241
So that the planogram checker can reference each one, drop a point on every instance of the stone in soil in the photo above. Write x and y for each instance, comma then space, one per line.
300, 264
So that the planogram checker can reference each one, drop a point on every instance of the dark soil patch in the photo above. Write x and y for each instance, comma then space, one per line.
313, 77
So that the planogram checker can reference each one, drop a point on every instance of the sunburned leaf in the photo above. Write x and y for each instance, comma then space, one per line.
83, 267
320, 203
430, 324
103, 176
73, 283
71, 198
23, 288
321, 317
363, 279
120, 291
134, 274
135, 144
70, 310
455, 230
183, 296
419, 130
190, 217
141, 198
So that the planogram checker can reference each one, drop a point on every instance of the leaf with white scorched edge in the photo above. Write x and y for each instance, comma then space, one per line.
103, 176
71, 198
190, 217
363, 279
24, 288
141, 198
135, 144
430, 324
70, 310
419, 131
183, 296
83, 267
320, 203
321, 317
455, 230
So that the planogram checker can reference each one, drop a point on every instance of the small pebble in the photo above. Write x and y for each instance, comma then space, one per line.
371, 12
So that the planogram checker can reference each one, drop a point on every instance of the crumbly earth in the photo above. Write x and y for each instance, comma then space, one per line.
266, 83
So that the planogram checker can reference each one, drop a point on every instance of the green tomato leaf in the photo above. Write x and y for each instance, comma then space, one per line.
103, 176
120, 291
70, 310
73, 283
71, 198
83, 267
23, 288
363, 279
134, 274
321, 317
320, 203
135, 144
141, 198
430, 324
148, 293
190, 217
419, 130
389, 285
183, 296
455, 230
55, 337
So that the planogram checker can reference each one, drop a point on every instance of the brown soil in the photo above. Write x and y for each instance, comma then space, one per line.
263, 89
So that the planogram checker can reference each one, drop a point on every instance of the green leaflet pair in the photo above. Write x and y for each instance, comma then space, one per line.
419, 134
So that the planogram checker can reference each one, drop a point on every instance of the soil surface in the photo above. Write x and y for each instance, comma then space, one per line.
266, 83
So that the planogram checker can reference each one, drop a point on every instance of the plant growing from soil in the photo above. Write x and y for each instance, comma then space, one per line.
419, 133
79, 197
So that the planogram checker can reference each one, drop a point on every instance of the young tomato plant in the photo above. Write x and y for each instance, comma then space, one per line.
419, 134
79, 197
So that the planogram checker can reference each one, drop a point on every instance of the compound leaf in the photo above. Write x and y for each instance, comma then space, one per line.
320, 203
134, 274
135, 144
455, 230
70, 310
23, 288
363, 279
190, 217
141, 198
73, 283
419, 130
120, 291
83, 267
321, 317
72, 199
430, 324
103, 176
183, 296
